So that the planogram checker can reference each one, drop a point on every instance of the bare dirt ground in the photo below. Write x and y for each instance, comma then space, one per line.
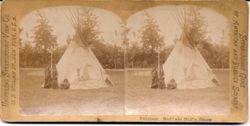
142, 100
35, 100
138, 100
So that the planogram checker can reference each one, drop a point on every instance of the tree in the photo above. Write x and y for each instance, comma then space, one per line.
86, 26
45, 42
116, 56
26, 55
125, 43
110, 56
194, 27
151, 39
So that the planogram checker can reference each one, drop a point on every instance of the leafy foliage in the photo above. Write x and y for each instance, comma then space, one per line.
217, 56
151, 39
44, 40
193, 26
111, 56
86, 26
139, 54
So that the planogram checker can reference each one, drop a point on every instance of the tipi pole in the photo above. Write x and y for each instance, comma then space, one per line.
125, 43
158, 63
125, 52
51, 66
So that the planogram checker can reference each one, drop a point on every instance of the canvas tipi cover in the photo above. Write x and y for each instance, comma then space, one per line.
81, 68
187, 68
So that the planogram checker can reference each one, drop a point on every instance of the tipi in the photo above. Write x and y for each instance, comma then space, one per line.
185, 66
79, 66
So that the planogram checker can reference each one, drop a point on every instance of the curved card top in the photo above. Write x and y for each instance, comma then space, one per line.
124, 61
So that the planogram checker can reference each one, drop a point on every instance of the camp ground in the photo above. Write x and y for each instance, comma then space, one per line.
162, 60
79, 65
74, 83
40, 101
184, 82
142, 100
185, 66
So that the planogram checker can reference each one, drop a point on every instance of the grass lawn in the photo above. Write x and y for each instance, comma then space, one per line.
139, 99
35, 100
142, 100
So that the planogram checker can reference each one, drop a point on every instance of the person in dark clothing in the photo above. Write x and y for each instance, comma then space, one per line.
65, 84
172, 84
54, 84
158, 78
47, 78
161, 81
154, 83
50, 77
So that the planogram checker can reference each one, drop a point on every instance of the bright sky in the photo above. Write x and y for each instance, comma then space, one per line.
110, 24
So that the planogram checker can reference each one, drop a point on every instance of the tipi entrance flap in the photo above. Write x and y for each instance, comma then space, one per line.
188, 68
79, 66
185, 64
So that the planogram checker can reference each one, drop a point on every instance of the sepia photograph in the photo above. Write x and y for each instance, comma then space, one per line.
125, 61
177, 62
171, 60
71, 62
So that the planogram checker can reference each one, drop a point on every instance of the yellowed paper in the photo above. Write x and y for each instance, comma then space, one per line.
124, 61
